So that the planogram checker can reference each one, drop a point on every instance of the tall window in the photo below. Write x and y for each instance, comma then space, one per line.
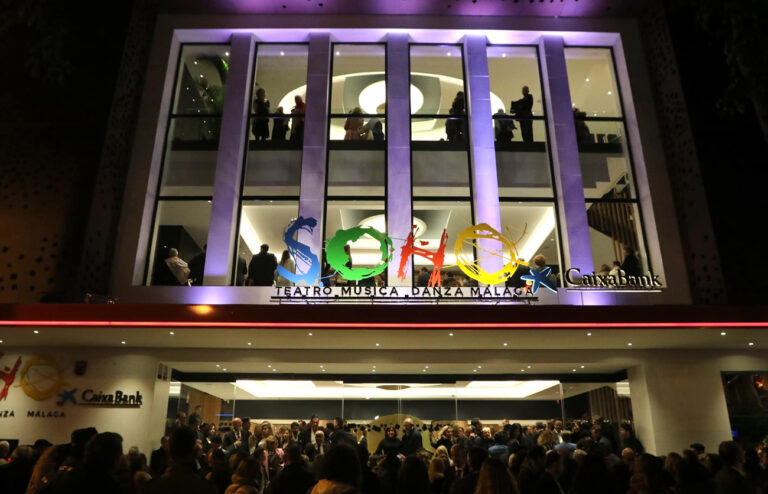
523, 165
442, 191
183, 206
357, 156
613, 211
272, 172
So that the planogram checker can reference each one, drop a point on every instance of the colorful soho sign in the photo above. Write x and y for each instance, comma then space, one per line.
339, 260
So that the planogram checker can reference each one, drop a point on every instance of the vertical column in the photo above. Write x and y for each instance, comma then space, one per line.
229, 163
565, 156
313, 166
482, 150
399, 214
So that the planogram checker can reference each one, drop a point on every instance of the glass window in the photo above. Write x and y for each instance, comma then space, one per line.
438, 107
189, 166
432, 218
262, 222
616, 236
179, 241
592, 81
365, 252
359, 79
273, 162
532, 226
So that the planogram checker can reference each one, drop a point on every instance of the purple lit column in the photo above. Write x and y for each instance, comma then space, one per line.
482, 148
312, 201
565, 156
399, 215
229, 163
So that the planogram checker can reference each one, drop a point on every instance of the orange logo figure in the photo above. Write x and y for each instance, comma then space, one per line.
7, 375
42, 377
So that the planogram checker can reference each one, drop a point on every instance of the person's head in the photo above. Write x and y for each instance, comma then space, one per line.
540, 261
342, 465
628, 457
566, 436
458, 455
261, 93
616, 264
414, 477
5, 449
424, 270
554, 463
699, 449
285, 257
314, 422
104, 452
596, 432
195, 421
295, 428
338, 423
407, 424
264, 248
442, 452
500, 438
559, 425
271, 444
182, 443
319, 436
237, 424
390, 432
525, 91
629, 251
486, 431
249, 470
494, 478
731, 453
285, 434
173, 252
475, 458
298, 99
625, 431
266, 429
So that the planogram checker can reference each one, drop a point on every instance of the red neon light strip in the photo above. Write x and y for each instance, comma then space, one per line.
345, 325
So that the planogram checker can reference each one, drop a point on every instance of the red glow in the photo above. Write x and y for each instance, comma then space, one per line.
388, 325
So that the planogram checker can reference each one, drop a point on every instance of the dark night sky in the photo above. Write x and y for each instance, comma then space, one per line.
731, 150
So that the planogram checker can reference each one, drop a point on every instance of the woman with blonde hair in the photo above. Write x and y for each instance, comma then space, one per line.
436, 474
249, 478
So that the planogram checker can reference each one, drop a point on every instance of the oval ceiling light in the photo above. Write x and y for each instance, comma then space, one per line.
374, 95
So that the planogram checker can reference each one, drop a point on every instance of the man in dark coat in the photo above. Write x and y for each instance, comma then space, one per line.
236, 439
294, 478
523, 108
411, 438
158, 461
261, 270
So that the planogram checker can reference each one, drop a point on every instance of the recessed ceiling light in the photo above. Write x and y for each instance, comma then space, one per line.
479, 366
249, 343
589, 334
377, 344
274, 370
423, 370
309, 334
587, 79
338, 53
195, 62
201, 76
1, 341
217, 365
503, 54
376, 417
723, 333
282, 53
582, 366
505, 344
122, 343
529, 366
426, 367
321, 366
610, 92
374, 366
573, 370
751, 343
323, 370
447, 54
474, 370
629, 344
224, 369
522, 370
269, 365
171, 333
226, 53
450, 334
373, 370
36, 331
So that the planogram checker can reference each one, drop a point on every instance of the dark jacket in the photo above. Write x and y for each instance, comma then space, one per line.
228, 443
388, 446
305, 437
294, 479
179, 478
261, 269
523, 106
466, 484
411, 442
158, 462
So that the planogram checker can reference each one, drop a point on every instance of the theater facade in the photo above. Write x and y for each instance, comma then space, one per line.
477, 208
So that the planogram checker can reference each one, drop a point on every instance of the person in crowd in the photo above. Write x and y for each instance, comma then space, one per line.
605, 270
522, 109
279, 125
261, 269
178, 267
321, 444
46, 468
220, 474
414, 477
353, 126
583, 135
567, 444
532, 470
731, 478
181, 475
494, 478
547, 440
454, 127
265, 431
241, 275
208, 432
5, 450
458, 459
284, 437
260, 126
423, 278
601, 442
137, 465
340, 472
503, 127
467, 484
592, 475
307, 436
99, 471
436, 473
196, 270
444, 437
286, 263
615, 267
387, 470
274, 457
294, 477
159, 459
539, 263
297, 120
628, 439
498, 448
631, 264
411, 441
363, 441
700, 450
194, 423
249, 477
693, 477
389, 444
236, 440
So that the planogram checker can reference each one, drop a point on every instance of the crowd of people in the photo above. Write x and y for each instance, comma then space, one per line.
284, 127
575, 457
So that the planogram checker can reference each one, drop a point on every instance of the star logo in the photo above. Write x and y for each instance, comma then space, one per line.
66, 396
539, 278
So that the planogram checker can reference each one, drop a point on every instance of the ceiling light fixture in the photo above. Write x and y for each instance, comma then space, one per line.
723, 333
587, 79
751, 343
582, 366
629, 344
589, 334
309, 334
122, 343
282, 53
249, 343
171, 333
450, 334
377, 344
505, 344
36, 331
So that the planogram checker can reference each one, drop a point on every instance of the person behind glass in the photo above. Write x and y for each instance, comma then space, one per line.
582, 130
279, 125
411, 438
631, 264
286, 263
454, 127
297, 120
353, 126
178, 267
390, 444
423, 279
522, 108
261, 269
236, 440
260, 126
503, 127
